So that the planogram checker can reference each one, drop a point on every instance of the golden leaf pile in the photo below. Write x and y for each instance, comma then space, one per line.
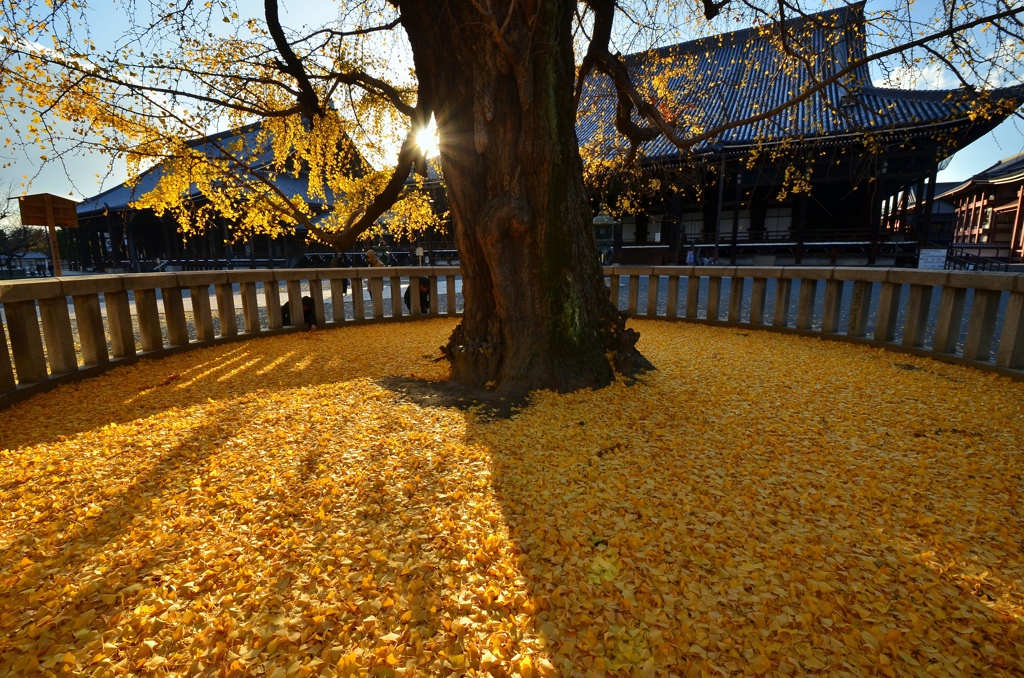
761, 504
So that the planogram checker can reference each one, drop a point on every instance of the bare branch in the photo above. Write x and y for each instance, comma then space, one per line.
374, 86
349, 34
956, 72
74, 66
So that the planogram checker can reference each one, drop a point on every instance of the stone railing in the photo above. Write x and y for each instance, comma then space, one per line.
57, 330
961, 317
61, 329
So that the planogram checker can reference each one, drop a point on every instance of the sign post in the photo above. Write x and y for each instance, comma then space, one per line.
932, 258
44, 209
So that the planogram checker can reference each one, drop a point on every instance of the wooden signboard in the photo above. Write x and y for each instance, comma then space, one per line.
43, 209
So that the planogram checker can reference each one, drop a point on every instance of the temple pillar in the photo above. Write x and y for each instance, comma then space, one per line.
929, 202
1017, 237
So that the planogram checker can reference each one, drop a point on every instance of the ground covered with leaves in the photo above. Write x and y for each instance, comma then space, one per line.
759, 504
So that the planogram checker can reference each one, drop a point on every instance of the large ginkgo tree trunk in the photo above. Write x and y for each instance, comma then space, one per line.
500, 83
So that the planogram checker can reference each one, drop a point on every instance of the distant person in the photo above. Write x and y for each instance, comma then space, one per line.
308, 313
691, 257
375, 285
424, 285
341, 261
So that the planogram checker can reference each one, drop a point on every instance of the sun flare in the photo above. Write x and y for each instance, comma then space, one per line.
426, 139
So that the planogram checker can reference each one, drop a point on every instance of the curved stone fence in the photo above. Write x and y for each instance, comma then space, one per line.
962, 317
62, 329
57, 330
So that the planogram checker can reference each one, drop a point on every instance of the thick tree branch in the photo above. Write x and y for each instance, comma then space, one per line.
374, 86
308, 101
360, 221
614, 68
636, 134
604, 18
712, 9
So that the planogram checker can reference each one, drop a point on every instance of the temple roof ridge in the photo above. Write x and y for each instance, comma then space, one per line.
817, 88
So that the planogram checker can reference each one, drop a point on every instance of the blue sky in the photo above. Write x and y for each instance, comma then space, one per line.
77, 176
1006, 140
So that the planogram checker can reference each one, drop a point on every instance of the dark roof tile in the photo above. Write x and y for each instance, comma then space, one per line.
240, 141
715, 81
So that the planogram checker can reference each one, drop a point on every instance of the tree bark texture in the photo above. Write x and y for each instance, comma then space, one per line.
499, 76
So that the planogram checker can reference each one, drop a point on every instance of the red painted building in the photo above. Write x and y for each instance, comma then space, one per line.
990, 212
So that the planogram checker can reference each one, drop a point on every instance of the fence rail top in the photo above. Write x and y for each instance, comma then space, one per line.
56, 330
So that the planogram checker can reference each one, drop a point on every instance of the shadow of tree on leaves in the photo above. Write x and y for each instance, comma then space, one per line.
775, 517
273, 510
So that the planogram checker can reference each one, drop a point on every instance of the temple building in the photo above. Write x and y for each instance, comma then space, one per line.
115, 236
845, 175
818, 182
990, 213
900, 212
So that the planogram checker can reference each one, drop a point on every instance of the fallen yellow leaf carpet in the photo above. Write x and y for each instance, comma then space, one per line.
761, 504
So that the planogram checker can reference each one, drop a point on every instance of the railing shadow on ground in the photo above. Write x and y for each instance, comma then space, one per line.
134, 523
623, 499
162, 383
70, 539
965, 317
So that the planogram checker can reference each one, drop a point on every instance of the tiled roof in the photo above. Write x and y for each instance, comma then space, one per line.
1007, 170
730, 77
716, 80
241, 140
940, 188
